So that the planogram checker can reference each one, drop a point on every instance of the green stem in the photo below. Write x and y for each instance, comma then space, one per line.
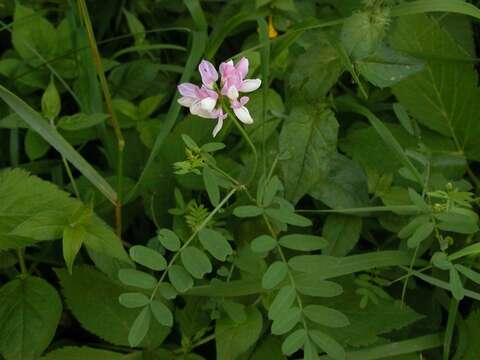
21, 261
191, 238
247, 139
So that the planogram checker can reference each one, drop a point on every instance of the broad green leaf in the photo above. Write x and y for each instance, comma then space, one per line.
233, 339
472, 323
215, 243
325, 316
73, 238
363, 32
196, 262
81, 121
270, 349
282, 302
309, 135
137, 278
387, 67
263, 244
342, 233
303, 242
294, 342
167, 291
169, 239
345, 185
140, 327
310, 350
162, 313
180, 278
148, 257
449, 88
420, 234
311, 285
93, 299
247, 211
35, 146
30, 311
33, 35
235, 311
367, 324
134, 300
46, 217
283, 324
327, 344
82, 353
51, 102
272, 187
50, 135
211, 185
314, 73
274, 275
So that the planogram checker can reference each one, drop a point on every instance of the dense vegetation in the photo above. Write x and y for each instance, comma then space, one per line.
315, 197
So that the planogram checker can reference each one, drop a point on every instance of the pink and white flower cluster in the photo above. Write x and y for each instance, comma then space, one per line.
206, 101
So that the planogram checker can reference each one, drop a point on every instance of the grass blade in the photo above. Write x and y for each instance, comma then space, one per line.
50, 135
423, 6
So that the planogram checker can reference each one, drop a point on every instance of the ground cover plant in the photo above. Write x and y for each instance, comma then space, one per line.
242, 179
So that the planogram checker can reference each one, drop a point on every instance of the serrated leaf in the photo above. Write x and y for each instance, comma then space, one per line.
294, 342
215, 243
233, 339
284, 324
274, 275
196, 262
450, 88
134, 300
327, 344
140, 327
324, 315
162, 313
93, 299
282, 302
169, 239
263, 244
303, 242
73, 238
180, 278
137, 278
309, 134
247, 211
148, 257
29, 313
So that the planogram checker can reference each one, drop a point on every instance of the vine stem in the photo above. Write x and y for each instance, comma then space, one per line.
247, 139
21, 261
83, 10
192, 237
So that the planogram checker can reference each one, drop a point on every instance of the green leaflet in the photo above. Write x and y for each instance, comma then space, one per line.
29, 312
449, 88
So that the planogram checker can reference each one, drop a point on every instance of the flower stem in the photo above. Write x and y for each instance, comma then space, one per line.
248, 140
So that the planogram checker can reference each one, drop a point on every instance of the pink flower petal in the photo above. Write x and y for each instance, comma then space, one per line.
243, 115
250, 85
208, 73
242, 67
188, 89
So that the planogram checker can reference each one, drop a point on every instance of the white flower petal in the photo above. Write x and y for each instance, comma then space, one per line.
186, 101
250, 85
218, 127
208, 104
243, 115
232, 93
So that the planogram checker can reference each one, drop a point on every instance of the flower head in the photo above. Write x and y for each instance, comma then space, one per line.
204, 101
